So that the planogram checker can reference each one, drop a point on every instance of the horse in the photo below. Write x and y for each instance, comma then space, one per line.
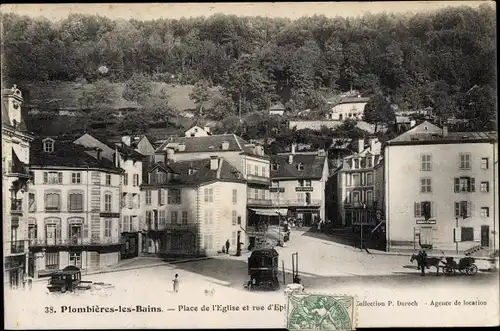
429, 262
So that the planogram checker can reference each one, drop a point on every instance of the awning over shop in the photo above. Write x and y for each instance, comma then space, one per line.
270, 211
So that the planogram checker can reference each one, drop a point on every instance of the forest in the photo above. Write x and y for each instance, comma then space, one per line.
444, 59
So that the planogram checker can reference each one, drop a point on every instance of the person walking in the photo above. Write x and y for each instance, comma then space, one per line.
176, 283
227, 246
422, 258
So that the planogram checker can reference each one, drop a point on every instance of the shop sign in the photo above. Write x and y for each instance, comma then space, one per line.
110, 215
303, 189
277, 189
426, 221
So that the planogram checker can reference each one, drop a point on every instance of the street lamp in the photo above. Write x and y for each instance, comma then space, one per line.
456, 239
361, 232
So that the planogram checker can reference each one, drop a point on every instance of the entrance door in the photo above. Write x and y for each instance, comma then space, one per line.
75, 233
426, 237
51, 234
307, 219
485, 236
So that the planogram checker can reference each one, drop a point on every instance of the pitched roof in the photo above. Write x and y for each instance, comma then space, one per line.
206, 144
277, 106
66, 154
313, 166
122, 149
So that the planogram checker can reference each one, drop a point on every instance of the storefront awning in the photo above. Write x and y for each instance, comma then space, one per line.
270, 211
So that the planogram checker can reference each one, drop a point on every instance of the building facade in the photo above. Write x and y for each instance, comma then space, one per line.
441, 190
15, 182
194, 207
298, 183
351, 107
356, 186
73, 208
197, 131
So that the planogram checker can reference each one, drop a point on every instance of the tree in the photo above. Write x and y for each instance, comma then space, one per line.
138, 89
101, 94
378, 111
200, 94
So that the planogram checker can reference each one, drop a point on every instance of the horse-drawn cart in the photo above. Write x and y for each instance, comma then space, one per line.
70, 280
465, 265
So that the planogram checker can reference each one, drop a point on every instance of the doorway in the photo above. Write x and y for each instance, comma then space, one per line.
426, 237
485, 236
51, 234
75, 233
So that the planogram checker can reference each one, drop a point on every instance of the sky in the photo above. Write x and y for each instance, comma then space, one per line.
292, 10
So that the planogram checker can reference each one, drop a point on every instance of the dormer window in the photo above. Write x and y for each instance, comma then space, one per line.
48, 145
275, 166
191, 171
300, 166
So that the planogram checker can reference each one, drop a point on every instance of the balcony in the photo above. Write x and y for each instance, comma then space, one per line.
297, 203
16, 206
17, 247
258, 179
259, 202
106, 241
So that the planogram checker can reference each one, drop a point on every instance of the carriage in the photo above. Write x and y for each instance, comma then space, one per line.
67, 280
465, 265
263, 270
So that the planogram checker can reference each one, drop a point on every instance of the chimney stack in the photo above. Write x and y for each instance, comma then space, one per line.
445, 131
290, 158
294, 147
98, 153
361, 145
214, 163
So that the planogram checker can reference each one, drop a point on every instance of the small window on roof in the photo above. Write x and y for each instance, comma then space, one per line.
48, 145
300, 166
426, 128
275, 166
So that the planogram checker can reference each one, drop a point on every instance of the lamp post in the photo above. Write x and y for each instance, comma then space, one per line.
456, 239
361, 232
279, 217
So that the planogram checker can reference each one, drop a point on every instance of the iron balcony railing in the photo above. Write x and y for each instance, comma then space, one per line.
258, 179
259, 202
76, 242
155, 226
17, 247
16, 206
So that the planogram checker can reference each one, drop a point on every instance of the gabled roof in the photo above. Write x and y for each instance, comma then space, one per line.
122, 149
313, 166
206, 144
66, 154
277, 106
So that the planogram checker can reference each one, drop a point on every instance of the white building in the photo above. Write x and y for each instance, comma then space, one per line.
131, 199
15, 179
194, 207
298, 183
197, 131
73, 208
355, 185
441, 190
277, 109
350, 107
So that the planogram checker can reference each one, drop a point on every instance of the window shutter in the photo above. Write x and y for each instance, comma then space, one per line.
45, 177
433, 212
416, 209
477, 234
58, 232
457, 184
470, 209
473, 184
60, 178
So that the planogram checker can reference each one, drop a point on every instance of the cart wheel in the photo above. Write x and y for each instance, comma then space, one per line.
471, 270
463, 270
448, 270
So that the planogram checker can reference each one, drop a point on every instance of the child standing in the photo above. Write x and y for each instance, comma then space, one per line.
176, 283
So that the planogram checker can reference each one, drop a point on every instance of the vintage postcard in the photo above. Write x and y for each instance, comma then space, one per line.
305, 166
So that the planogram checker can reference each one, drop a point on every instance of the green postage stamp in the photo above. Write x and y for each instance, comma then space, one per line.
307, 311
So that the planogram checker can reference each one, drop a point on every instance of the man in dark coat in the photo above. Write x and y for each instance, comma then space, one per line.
227, 246
422, 255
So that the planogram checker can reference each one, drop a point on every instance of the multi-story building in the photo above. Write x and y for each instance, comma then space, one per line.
298, 183
349, 107
194, 207
355, 186
248, 159
73, 208
132, 209
196, 131
441, 190
15, 179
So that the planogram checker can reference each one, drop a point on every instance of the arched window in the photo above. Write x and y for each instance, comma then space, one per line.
75, 200
108, 197
48, 145
52, 200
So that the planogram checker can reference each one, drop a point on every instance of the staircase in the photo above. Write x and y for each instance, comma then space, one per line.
473, 250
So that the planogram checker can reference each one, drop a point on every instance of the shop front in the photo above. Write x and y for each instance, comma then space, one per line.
14, 270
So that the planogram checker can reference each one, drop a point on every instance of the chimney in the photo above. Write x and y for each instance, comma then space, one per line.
294, 148
290, 158
170, 155
181, 147
117, 158
98, 153
214, 163
361, 145
445, 131
412, 123
207, 128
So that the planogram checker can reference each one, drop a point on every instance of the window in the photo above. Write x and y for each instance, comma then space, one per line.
263, 171
425, 185
369, 198
465, 184
174, 196
163, 217
425, 162
465, 161
31, 202
125, 179
356, 164
209, 217
184, 218
235, 196
161, 196
308, 182
263, 194
208, 194
76, 178
75, 202
136, 180
52, 177
235, 217
108, 179
48, 145
108, 226
75, 258
208, 241
356, 197
148, 197
233, 238
467, 234
52, 260
484, 163
369, 162
275, 166
485, 186
107, 202
52, 201
356, 179
369, 179
463, 209
301, 197
485, 212
256, 170
424, 209
256, 194
96, 177
173, 217
161, 177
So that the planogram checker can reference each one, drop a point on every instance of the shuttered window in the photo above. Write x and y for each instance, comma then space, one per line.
52, 201
76, 201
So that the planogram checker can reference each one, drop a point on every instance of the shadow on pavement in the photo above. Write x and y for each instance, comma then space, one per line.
346, 237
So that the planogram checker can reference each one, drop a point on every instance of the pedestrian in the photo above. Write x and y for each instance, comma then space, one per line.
176, 283
422, 259
227, 246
